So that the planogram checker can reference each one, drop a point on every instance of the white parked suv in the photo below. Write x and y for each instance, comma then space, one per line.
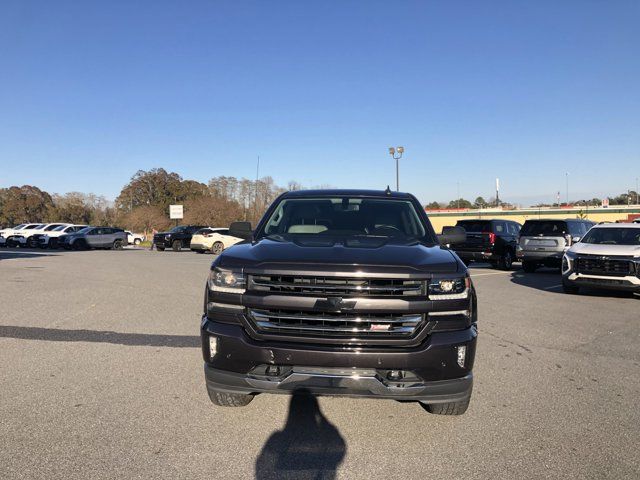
214, 240
7, 232
28, 237
134, 238
608, 256
20, 231
50, 238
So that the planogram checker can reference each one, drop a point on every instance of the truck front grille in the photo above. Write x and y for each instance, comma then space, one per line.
327, 286
321, 324
604, 266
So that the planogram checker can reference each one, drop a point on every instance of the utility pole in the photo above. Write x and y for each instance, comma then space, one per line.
497, 192
255, 195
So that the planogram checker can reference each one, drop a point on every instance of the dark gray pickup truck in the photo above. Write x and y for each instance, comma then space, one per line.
341, 292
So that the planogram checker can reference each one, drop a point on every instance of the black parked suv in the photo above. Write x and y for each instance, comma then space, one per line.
493, 241
177, 238
341, 292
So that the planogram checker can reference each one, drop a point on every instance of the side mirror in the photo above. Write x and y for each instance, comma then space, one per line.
576, 239
241, 230
452, 235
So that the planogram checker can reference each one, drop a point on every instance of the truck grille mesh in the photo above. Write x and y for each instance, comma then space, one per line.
327, 286
349, 325
605, 266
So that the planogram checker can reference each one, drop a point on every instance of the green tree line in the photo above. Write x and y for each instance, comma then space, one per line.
143, 203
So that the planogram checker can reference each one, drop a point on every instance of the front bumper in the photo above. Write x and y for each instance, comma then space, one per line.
431, 373
628, 283
198, 246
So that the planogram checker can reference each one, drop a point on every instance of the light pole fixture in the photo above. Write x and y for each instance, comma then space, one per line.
396, 154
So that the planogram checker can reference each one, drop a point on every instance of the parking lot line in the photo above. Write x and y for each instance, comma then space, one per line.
491, 273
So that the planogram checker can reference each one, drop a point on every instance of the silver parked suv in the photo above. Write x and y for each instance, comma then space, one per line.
543, 242
94, 237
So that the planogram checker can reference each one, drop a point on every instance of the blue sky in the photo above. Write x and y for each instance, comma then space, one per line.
90, 92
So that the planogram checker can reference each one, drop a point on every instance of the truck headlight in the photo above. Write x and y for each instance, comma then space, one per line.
229, 281
567, 261
449, 288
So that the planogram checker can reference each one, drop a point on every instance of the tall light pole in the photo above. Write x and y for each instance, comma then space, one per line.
396, 153
566, 175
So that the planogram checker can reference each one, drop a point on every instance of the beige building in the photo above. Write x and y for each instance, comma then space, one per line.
617, 213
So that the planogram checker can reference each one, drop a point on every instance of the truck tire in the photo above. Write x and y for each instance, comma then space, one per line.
176, 245
31, 242
217, 248
159, 249
223, 399
451, 408
506, 260
117, 244
529, 267
136, 242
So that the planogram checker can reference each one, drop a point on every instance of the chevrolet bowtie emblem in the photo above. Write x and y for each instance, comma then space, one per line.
334, 304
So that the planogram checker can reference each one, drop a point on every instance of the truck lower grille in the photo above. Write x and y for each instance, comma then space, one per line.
605, 266
326, 286
349, 325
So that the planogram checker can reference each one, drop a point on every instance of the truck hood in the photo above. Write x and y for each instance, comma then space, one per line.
598, 249
330, 255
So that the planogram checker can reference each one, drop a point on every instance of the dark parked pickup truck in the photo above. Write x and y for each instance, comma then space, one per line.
493, 241
177, 238
341, 292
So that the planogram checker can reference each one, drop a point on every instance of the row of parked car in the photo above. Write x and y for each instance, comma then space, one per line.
198, 238
588, 255
67, 235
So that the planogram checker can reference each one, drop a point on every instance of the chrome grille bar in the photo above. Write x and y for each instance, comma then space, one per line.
332, 324
332, 286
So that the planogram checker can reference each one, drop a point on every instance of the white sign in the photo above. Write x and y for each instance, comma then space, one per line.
175, 212
605, 203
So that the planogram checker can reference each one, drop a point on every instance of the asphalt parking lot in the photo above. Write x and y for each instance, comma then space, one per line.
101, 377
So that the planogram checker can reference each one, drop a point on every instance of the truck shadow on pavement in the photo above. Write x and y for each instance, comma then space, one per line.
549, 280
309, 446
99, 336
18, 255
546, 280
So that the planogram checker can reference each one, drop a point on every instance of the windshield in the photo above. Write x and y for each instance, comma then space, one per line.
177, 229
18, 227
551, 228
345, 216
59, 228
84, 230
613, 236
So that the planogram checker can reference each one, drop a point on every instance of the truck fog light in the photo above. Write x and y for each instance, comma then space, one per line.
213, 346
395, 375
273, 371
462, 354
